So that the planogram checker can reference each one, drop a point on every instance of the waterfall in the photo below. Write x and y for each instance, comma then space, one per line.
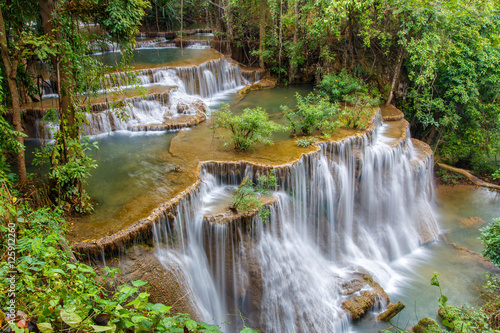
353, 206
192, 86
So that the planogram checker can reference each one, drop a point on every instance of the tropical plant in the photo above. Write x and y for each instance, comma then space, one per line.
313, 112
490, 235
248, 195
247, 129
56, 293
69, 178
305, 142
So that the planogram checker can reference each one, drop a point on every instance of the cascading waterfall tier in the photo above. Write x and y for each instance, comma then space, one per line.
351, 206
204, 80
183, 104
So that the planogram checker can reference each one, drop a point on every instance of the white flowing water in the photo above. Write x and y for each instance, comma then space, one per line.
353, 207
194, 88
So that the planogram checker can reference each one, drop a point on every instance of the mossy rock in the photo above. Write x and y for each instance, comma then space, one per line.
426, 325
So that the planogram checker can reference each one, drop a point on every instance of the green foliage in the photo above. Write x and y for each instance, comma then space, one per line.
360, 113
490, 235
496, 174
454, 68
248, 129
123, 17
8, 145
247, 196
313, 112
442, 298
305, 142
339, 86
66, 295
70, 177
465, 319
449, 177
344, 87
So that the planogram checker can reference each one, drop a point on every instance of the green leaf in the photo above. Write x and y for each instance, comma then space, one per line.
138, 319
247, 330
54, 271
446, 323
191, 325
70, 317
138, 283
45, 327
434, 280
98, 328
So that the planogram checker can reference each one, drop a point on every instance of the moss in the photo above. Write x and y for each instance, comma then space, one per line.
426, 325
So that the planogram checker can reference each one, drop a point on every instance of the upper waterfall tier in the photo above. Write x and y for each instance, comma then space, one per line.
176, 99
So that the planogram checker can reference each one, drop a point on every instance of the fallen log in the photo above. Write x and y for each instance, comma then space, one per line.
391, 312
468, 175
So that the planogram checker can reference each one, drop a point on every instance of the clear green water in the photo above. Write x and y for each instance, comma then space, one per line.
459, 272
136, 172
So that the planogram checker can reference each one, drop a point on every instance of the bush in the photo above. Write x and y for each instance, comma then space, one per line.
305, 142
65, 295
338, 86
490, 235
247, 196
252, 127
313, 112
360, 112
343, 87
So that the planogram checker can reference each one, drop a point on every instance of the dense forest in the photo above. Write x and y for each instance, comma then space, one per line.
436, 61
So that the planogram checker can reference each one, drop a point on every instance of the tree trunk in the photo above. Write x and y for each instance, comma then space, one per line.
156, 10
261, 32
469, 176
391, 312
399, 64
227, 13
62, 67
182, 19
11, 71
280, 39
293, 67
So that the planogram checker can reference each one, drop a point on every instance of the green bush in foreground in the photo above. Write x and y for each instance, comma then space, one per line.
490, 235
66, 295
250, 128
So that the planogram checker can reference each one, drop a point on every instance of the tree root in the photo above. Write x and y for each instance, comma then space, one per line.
470, 176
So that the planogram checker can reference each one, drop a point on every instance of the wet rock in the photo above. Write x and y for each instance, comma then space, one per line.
360, 302
392, 310
164, 284
470, 222
426, 325
352, 286
262, 84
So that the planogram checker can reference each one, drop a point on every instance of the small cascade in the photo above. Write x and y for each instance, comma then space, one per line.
192, 88
210, 78
204, 80
151, 43
353, 206
139, 114
189, 253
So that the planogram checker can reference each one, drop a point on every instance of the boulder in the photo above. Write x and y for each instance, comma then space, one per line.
426, 325
359, 302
